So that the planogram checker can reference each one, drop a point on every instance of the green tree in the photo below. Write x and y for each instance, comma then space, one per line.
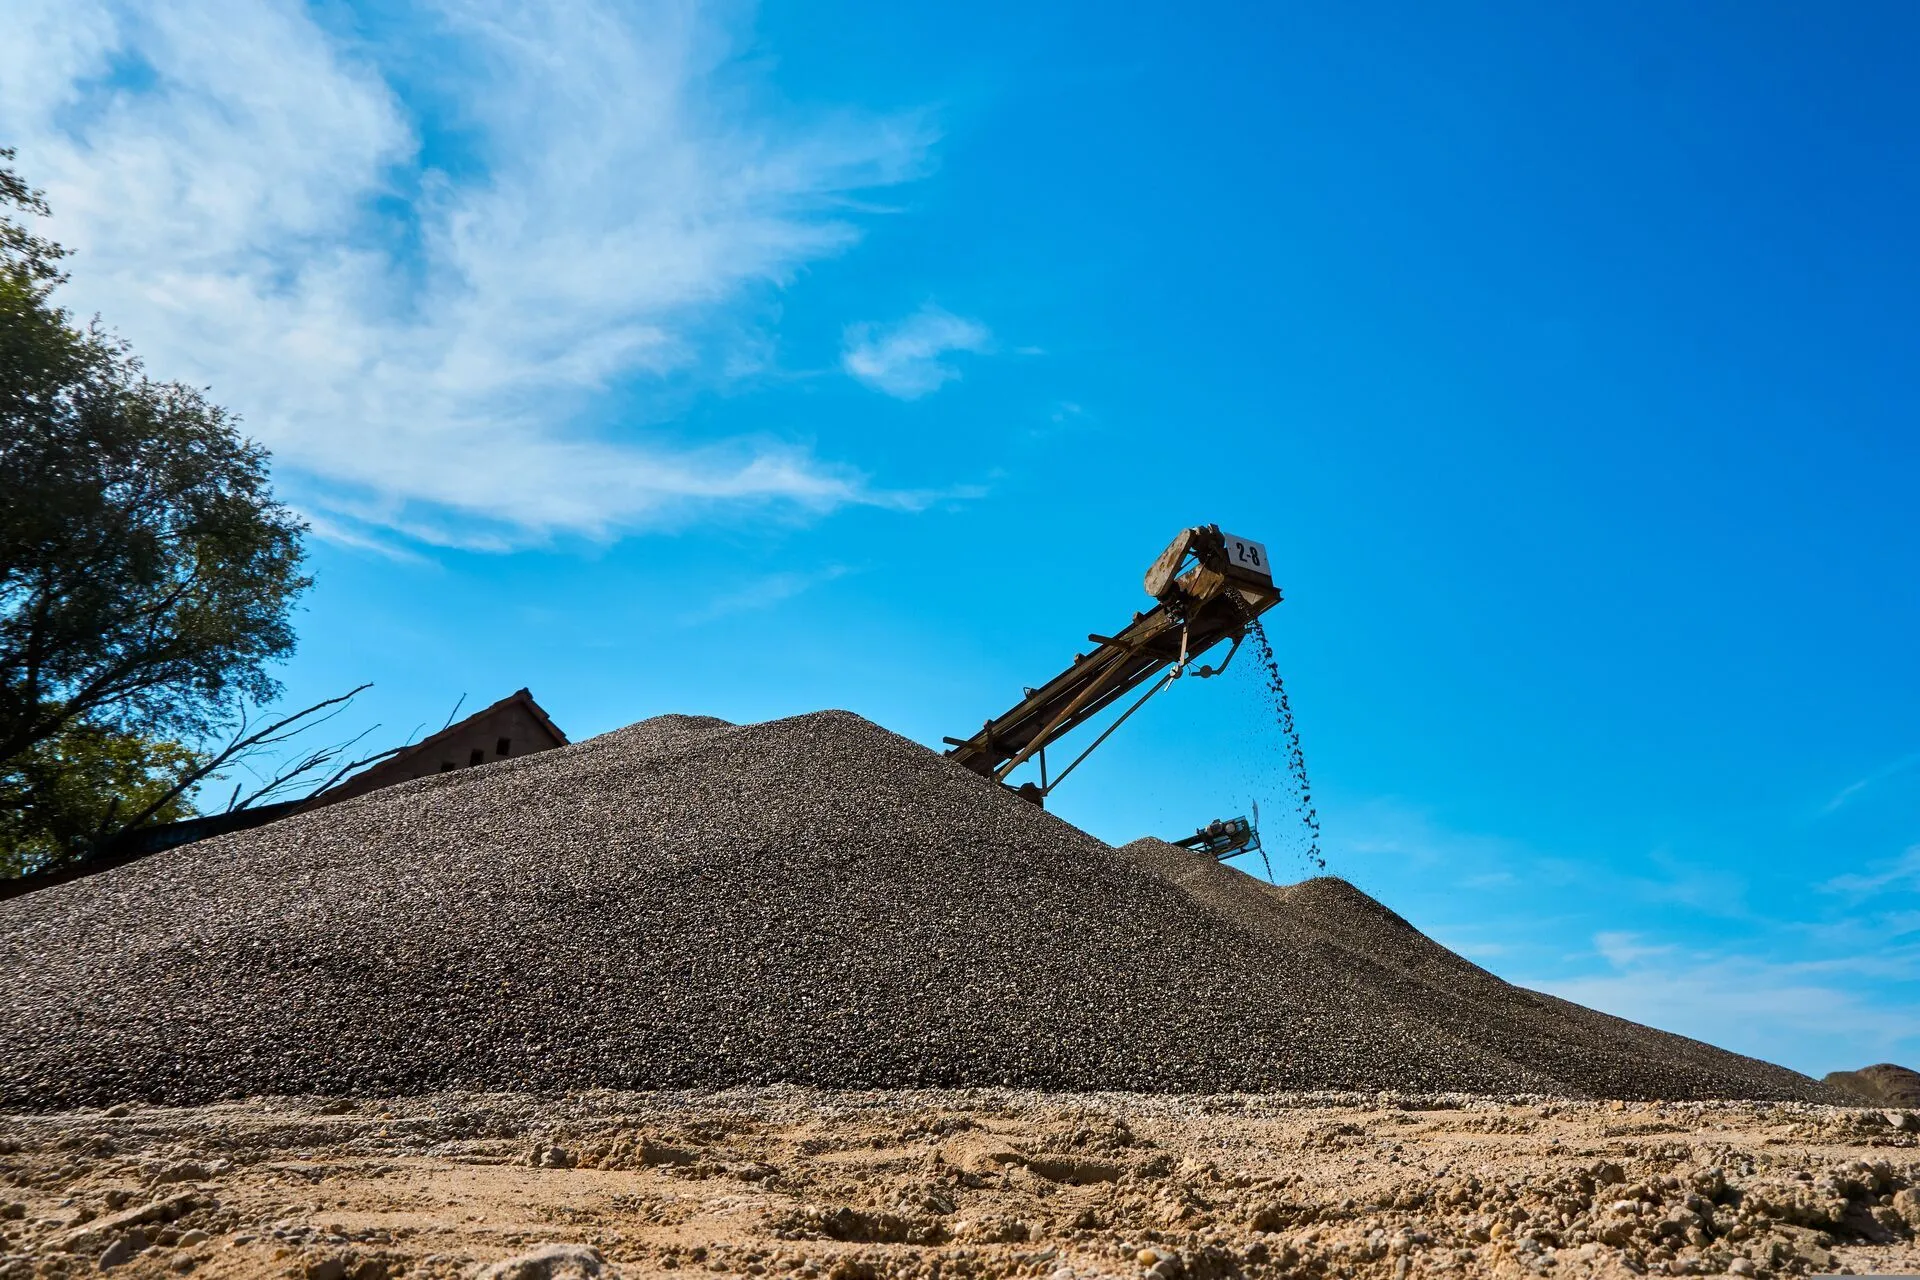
146, 568
63, 792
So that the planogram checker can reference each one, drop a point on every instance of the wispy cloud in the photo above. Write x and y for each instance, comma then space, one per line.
1471, 949
1815, 980
763, 593
1386, 829
1624, 950
1848, 793
907, 360
1766, 1008
1901, 872
438, 346
1714, 887
322, 525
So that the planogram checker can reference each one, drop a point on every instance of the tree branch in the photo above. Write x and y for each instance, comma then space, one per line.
237, 747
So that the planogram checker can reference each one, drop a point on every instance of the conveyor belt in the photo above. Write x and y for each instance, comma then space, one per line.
1214, 600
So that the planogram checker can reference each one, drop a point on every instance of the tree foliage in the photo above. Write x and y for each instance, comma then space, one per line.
146, 568
64, 792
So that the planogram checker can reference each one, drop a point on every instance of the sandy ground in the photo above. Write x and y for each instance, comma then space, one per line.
791, 1182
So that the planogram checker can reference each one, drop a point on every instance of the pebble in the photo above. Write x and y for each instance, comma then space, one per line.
551, 1262
1563, 1048
687, 903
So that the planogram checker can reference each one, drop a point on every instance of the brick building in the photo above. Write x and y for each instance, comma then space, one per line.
513, 726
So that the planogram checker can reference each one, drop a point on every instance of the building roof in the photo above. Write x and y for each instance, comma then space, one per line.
522, 696
132, 845
400, 766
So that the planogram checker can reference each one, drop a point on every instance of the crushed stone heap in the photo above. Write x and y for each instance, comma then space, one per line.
1882, 1083
1589, 1053
815, 900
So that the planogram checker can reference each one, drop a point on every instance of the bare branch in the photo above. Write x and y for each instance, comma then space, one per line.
346, 769
324, 756
236, 747
285, 776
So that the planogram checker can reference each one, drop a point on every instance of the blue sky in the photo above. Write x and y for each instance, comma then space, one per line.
712, 359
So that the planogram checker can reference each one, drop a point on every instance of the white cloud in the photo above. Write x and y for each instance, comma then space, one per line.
1388, 829
1903, 871
1472, 950
904, 360
1624, 950
1846, 794
1838, 987
434, 351
763, 593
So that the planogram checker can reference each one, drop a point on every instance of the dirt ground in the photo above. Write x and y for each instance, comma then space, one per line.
791, 1182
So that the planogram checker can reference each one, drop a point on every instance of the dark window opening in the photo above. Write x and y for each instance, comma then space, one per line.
479, 756
446, 765
500, 747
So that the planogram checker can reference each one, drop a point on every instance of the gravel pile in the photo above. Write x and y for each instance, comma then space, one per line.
689, 903
1586, 1052
1882, 1083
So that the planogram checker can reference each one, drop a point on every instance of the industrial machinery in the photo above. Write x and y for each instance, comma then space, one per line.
1207, 586
1225, 838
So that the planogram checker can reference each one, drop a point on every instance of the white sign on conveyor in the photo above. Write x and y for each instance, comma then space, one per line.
1247, 554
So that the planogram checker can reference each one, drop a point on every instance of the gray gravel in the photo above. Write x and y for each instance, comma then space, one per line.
1587, 1052
685, 903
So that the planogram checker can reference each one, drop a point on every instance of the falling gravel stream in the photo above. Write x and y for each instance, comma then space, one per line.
1301, 788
